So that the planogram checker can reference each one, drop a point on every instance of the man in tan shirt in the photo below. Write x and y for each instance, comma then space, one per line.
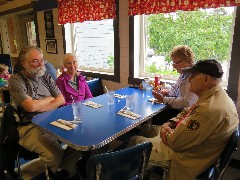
189, 143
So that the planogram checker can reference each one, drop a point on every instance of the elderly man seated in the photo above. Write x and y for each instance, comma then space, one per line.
34, 91
189, 143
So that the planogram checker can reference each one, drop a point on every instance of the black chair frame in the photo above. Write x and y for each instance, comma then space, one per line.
124, 164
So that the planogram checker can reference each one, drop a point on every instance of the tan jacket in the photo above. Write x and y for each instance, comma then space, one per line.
200, 138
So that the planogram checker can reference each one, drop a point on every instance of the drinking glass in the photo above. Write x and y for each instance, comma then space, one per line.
149, 90
129, 101
110, 95
76, 110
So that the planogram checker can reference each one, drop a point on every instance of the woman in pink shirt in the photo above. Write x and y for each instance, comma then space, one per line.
72, 85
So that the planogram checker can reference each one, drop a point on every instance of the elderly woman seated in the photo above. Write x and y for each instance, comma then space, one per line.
71, 83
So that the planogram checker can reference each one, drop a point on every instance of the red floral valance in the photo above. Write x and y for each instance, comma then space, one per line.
138, 7
71, 11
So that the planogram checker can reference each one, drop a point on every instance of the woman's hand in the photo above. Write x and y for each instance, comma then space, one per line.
158, 96
165, 92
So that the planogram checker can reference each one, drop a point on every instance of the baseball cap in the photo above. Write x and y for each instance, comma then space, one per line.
210, 67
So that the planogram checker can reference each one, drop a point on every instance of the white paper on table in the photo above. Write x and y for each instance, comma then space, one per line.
154, 100
92, 104
63, 124
129, 114
119, 96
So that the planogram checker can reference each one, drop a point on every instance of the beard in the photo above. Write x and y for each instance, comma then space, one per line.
38, 72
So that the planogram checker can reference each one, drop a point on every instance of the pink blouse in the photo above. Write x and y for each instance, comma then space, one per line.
70, 94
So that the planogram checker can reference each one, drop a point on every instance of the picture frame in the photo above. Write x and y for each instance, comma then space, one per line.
49, 26
51, 46
48, 16
50, 33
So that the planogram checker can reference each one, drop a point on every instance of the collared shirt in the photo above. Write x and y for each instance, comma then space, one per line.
180, 97
22, 87
200, 138
71, 94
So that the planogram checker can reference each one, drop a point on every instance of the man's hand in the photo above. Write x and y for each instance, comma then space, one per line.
158, 96
164, 131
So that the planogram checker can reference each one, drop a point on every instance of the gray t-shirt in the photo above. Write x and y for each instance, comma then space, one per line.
23, 87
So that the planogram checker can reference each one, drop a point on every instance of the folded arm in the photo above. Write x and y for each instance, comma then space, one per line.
44, 104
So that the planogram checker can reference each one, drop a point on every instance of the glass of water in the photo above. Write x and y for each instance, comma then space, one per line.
129, 101
149, 90
76, 111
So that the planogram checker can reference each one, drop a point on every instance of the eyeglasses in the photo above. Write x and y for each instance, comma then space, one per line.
36, 61
177, 62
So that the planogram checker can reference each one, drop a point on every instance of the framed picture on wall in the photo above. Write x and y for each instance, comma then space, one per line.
49, 26
50, 33
51, 46
48, 16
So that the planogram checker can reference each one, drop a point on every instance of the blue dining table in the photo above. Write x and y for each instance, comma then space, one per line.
102, 125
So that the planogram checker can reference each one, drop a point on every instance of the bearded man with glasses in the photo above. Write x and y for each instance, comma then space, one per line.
34, 91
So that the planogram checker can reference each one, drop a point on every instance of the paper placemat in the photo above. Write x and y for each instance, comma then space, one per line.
129, 114
92, 104
63, 124
119, 96
154, 100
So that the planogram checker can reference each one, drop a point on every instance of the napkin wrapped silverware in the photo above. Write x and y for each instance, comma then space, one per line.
119, 96
92, 104
63, 124
129, 114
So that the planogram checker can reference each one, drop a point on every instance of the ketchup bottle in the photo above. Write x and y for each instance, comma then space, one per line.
156, 81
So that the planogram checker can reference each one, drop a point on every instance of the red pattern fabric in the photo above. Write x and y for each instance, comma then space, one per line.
138, 7
71, 11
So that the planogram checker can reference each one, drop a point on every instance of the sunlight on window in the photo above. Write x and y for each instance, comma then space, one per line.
94, 45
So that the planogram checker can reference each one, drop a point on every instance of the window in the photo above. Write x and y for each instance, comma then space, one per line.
96, 45
31, 34
207, 31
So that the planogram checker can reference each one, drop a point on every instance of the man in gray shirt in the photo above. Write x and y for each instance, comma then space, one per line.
34, 91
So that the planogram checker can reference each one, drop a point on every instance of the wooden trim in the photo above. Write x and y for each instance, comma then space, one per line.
16, 10
234, 69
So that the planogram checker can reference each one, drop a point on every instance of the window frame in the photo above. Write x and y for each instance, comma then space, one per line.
115, 76
234, 68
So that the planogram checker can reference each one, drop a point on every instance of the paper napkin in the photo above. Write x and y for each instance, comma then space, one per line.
119, 96
129, 114
92, 104
154, 100
63, 124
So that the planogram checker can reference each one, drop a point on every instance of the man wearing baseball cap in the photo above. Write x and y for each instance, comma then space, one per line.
191, 142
